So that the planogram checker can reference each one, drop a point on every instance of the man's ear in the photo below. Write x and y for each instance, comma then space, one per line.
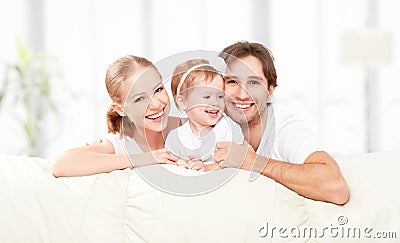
118, 108
271, 90
180, 100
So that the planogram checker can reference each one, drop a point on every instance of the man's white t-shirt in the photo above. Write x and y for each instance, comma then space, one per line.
183, 143
286, 138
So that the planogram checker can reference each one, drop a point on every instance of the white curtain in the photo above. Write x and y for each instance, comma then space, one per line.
304, 36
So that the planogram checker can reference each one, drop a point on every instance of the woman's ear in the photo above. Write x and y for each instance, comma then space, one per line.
118, 108
181, 102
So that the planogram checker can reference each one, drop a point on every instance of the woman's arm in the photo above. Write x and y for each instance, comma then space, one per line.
100, 157
90, 159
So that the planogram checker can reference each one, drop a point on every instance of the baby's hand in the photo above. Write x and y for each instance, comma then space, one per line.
196, 164
183, 163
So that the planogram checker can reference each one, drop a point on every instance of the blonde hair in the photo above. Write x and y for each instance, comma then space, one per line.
117, 73
208, 71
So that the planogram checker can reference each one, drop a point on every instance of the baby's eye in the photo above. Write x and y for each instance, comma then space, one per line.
207, 97
220, 96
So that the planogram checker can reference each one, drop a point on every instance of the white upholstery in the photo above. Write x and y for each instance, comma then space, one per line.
121, 207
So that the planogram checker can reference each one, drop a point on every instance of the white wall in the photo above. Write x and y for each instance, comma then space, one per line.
304, 37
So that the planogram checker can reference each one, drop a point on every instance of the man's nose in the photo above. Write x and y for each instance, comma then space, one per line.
241, 93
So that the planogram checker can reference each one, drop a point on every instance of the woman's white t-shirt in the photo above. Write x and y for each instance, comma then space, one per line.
124, 144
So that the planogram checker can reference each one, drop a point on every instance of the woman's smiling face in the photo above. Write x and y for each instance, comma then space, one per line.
146, 100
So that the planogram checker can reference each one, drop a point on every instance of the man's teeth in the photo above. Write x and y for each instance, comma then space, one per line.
242, 106
155, 116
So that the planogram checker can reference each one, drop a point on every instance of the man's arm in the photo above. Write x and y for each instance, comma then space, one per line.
319, 178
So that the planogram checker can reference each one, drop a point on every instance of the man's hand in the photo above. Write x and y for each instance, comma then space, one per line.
235, 155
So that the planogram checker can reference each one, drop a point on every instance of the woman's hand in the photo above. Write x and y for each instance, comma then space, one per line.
160, 156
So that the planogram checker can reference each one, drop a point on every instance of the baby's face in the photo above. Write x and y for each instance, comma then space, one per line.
205, 102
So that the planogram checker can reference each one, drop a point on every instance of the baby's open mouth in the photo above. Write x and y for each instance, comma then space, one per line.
213, 112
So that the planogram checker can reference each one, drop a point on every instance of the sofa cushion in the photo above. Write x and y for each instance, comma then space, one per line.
124, 206
235, 212
373, 210
35, 206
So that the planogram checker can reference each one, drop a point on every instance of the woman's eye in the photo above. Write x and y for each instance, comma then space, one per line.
139, 99
159, 89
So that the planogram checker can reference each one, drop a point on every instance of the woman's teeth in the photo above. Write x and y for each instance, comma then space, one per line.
155, 116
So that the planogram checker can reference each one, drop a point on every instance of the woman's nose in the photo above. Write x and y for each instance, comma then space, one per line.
157, 103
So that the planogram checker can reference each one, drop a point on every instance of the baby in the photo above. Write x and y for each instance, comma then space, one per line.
198, 90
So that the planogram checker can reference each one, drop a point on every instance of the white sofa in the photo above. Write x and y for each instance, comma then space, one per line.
122, 207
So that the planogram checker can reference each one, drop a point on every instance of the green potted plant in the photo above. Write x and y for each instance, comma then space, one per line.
27, 84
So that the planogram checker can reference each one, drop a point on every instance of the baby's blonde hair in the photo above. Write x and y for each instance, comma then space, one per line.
208, 72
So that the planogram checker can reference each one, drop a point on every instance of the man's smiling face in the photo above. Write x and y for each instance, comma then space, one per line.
246, 90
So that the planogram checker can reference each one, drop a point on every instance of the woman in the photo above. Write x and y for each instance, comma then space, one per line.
138, 123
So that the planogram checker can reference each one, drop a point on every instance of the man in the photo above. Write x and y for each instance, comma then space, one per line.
279, 147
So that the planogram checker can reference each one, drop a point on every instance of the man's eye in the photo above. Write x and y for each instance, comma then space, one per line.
159, 89
254, 82
139, 99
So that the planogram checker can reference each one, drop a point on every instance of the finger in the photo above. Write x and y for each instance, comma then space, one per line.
195, 167
182, 163
192, 165
161, 151
170, 162
170, 157
220, 155
222, 145
163, 161
222, 164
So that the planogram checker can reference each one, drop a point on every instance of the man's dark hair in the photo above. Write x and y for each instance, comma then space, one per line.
244, 48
